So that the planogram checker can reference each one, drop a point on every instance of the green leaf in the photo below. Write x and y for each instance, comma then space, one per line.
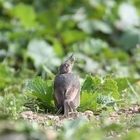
105, 86
6, 75
42, 53
122, 83
95, 44
105, 100
88, 101
109, 87
93, 87
58, 47
26, 15
90, 26
41, 90
126, 21
71, 36
49, 19
91, 83
130, 38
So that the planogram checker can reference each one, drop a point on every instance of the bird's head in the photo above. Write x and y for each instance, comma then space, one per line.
66, 67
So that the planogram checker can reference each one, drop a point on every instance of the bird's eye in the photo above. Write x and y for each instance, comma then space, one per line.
67, 65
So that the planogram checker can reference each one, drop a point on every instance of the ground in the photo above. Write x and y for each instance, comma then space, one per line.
41, 118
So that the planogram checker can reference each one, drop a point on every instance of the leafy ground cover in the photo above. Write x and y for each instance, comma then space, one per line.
109, 108
36, 36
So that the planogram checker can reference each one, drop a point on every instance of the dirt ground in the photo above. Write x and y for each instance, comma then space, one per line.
49, 119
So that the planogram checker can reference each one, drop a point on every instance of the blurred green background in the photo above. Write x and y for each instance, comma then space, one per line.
40, 34
36, 36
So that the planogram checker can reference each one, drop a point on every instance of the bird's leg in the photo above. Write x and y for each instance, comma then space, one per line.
73, 108
69, 107
66, 108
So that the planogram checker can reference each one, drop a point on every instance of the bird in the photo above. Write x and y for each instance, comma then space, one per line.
67, 88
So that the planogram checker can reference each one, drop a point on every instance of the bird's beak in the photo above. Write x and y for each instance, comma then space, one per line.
72, 58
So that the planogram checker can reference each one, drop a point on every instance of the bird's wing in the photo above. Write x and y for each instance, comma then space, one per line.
71, 92
66, 86
59, 95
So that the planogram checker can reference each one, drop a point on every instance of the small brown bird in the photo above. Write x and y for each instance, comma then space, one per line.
67, 88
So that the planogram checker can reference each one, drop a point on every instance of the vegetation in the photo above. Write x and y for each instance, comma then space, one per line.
36, 36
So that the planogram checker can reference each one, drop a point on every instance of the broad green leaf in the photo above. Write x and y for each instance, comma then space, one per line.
26, 15
99, 25
48, 19
90, 26
109, 87
95, 44
119, 54
91, 83
128, 14
105, 86
58, 47
130, 38
122, 83
42, 53
88, 101
105, 100
41, 90
71, 36
93, 87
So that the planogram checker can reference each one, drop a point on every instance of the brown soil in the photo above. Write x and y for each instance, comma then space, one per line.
49, 119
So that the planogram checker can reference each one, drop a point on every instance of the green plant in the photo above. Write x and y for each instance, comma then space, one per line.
96, 92
42, 90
